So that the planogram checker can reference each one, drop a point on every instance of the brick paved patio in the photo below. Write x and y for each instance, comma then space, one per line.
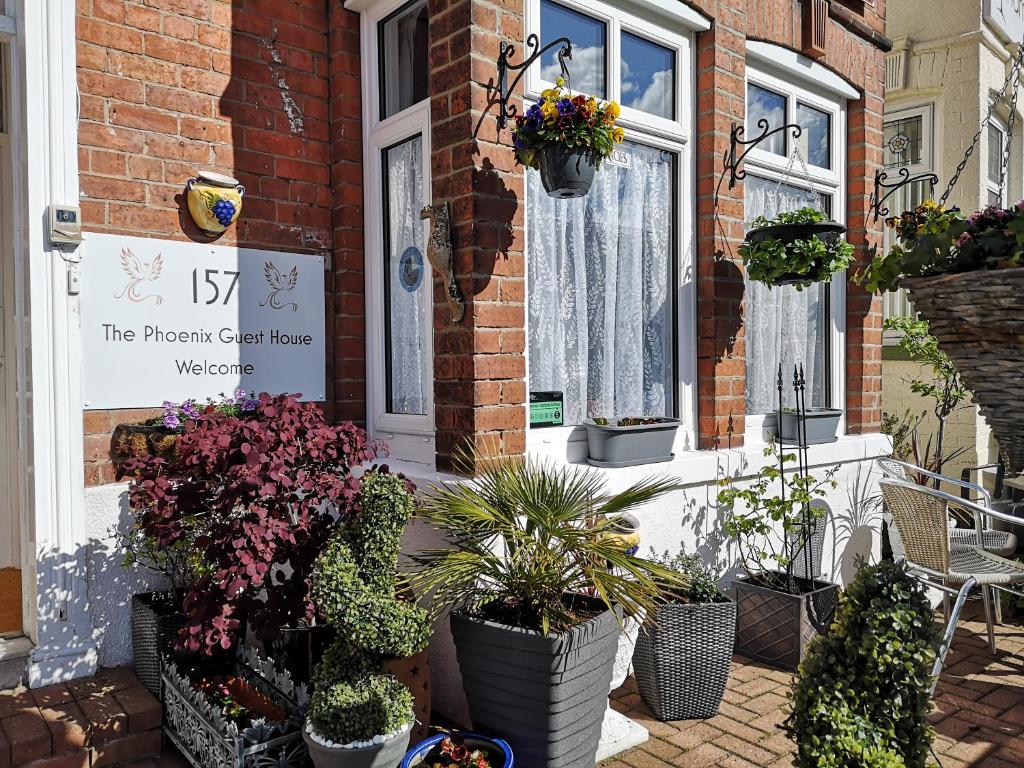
979, 717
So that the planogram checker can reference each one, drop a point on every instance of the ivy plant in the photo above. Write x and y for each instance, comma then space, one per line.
811, 260
861, 699
357, 590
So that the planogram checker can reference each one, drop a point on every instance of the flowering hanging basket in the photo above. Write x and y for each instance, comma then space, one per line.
799, 248
978, 319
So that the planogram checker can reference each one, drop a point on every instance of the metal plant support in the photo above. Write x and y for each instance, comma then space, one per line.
504, 91
740, 148
808, 523
889, 189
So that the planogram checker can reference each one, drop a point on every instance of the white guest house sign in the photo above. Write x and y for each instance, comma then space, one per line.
166, 320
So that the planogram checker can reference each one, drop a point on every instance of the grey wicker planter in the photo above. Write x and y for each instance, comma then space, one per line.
156, 619
775, 627
545, 696
681, 661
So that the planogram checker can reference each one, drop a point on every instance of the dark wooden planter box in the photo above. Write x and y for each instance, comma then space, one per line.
775, 627
156, 619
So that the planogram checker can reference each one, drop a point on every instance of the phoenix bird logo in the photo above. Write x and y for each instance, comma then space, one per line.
140, 272
279, 284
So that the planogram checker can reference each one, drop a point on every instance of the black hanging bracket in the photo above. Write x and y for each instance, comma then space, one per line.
884, 190
739, 148
506, 51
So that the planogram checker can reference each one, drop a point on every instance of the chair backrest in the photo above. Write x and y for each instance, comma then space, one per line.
921, 517
892, 468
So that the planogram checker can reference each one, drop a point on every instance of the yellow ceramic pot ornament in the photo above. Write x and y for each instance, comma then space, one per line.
214, 200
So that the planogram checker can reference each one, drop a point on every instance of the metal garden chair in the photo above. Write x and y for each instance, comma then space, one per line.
922, 518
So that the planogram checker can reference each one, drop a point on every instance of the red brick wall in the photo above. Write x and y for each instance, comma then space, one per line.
171, 87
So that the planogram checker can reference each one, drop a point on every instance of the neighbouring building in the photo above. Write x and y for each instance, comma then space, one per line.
342, 121
944, 72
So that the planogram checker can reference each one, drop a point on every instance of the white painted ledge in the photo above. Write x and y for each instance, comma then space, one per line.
789, 63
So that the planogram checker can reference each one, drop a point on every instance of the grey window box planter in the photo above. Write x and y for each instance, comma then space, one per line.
775, 627
610, 445
822, 425
681, 661
545, 695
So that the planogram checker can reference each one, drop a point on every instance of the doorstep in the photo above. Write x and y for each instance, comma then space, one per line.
94, 722
14, 657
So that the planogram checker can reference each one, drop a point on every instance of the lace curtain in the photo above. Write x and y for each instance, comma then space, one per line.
782, 324
408, 280
600, 290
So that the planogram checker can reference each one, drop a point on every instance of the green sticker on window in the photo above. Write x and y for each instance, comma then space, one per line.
546, 409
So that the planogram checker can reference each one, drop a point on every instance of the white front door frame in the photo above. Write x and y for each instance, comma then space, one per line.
45, 152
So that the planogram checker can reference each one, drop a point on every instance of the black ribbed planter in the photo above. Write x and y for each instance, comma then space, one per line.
681, 660
545, 696
775, 626
156, 619
566, 173
787, 234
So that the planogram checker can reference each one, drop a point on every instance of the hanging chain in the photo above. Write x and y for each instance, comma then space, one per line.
1005, 160
1012, 79
796, 154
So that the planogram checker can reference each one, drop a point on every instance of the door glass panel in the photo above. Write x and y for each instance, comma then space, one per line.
407, 285
404, 49
648, 76
763, 104
903, 142
815, 141
587, 66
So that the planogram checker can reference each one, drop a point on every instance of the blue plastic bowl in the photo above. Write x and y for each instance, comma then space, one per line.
420, 751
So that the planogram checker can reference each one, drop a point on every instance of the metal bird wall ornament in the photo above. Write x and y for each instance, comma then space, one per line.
439, 254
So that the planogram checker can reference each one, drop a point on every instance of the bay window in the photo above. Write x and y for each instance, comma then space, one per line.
609, 321
785, 173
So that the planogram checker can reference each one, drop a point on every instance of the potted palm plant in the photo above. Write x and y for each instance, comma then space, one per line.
773, 521
682, 657
566, 137
797, 248
540, 592
361, 717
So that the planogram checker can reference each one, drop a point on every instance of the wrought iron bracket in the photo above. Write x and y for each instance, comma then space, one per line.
506, 51
883, 191
740, 148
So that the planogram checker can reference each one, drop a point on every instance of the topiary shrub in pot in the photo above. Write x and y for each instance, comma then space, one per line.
681, 660
863, 693
359, 716
540, 592
797, 248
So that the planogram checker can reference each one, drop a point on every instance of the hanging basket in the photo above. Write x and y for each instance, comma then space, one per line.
566, 173
787, 234
978, 319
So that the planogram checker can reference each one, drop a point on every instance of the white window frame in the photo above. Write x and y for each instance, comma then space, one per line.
992, 187
827, 181
654, 131
410, 437
926, 113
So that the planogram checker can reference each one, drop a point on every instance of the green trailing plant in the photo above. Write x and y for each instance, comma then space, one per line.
771, 519
808, 261
932, 240
357, 589
528, 536
861, 699
701, 580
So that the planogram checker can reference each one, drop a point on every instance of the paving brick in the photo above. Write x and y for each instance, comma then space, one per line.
693, 736
15, 701
69, 728
129, 749
141, 707
52, 695
664, 750
29, 737
703, 756
744, 749
5, 750
107, 721
79, 759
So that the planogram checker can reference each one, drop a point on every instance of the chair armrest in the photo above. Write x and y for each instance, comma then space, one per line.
965, 485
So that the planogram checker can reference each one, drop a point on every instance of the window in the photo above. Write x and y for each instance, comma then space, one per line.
907, 146
603, 303
399, 293
782, 325
995, 180
404, 50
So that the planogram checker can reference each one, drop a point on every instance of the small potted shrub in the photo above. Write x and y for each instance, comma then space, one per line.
630, 440
361, 717
798, 248
682, 657
566, 137
773, 521
540, 593
459, 750
862, 697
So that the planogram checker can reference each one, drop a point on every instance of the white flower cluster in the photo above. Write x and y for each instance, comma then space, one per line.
375, 741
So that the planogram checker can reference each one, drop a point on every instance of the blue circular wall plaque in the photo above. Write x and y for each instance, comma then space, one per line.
410, 268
